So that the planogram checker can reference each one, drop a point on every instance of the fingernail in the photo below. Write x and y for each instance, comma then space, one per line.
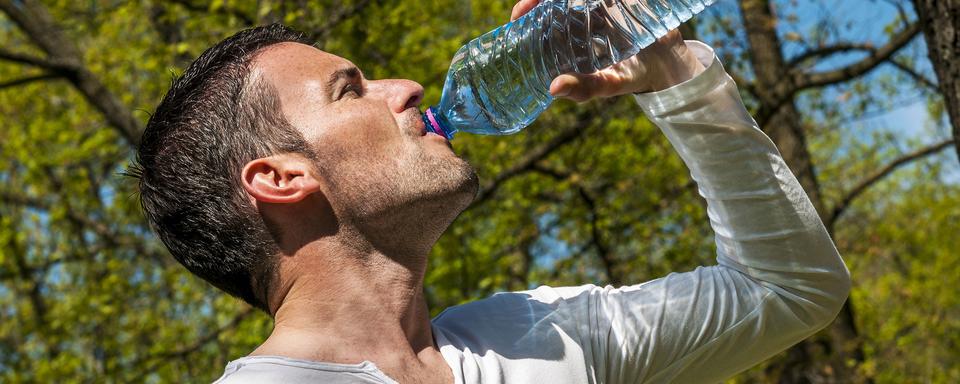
562, 92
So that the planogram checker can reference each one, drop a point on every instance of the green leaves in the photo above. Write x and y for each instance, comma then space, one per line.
87, 293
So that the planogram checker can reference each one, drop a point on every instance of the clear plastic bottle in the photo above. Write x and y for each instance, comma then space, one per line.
499, 82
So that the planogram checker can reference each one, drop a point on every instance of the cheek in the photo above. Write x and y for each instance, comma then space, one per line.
371, 121
353, 130
363, 147
366, 173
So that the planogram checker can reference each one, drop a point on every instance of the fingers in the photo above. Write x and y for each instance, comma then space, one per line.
582, 87
522, 7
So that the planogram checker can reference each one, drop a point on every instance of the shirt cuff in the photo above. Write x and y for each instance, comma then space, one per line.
657, 103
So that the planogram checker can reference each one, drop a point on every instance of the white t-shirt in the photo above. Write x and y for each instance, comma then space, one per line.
779, 279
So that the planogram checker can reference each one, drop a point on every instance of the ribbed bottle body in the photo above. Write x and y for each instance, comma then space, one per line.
499, 82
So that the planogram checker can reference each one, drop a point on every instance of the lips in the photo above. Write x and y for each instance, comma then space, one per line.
425, 126
412, 122
429, 120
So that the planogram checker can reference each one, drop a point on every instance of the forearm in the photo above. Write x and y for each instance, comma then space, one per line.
765, 225
780, 278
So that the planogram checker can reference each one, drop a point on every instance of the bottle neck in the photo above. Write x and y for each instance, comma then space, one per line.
438, 124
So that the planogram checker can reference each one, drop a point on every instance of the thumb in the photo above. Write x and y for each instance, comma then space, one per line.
578, 87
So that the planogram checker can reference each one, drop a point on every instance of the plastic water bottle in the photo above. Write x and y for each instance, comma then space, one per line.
500, 82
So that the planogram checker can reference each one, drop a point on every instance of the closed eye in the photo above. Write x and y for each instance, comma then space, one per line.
356, 89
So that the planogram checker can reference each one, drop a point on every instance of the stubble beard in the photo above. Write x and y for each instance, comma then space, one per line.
420, 190
439, 187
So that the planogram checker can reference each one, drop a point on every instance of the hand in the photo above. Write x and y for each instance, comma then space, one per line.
662, 65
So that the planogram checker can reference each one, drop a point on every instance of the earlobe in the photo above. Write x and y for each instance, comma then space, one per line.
280, 179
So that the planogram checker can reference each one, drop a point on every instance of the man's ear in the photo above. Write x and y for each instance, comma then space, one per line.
280, 179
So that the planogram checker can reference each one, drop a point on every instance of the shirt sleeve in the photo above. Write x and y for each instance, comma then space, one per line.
779, 278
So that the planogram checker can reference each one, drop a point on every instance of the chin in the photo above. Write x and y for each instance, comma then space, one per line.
429, 200
433, 187
469, 186
456, 181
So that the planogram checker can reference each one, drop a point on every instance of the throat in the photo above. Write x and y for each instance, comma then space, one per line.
337, 304
349, 326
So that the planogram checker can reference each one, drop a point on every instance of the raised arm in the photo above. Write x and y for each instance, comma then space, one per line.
779, 278
789, 280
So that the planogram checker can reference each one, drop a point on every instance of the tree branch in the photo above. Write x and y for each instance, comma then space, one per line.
784, 91
827, 51
65, 59
34, 61
36, 203
29, 79
603, 250
923, 80
337, 18
860, 47
881, 173
224, 9
804, 81
526, 164
42, 267
100, 229
596, 237
166, 357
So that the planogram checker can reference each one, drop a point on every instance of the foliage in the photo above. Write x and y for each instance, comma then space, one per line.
88, 293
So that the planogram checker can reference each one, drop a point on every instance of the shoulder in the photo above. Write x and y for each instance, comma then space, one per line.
511, 315
505, 303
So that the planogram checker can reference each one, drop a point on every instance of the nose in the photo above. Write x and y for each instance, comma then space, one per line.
400, 95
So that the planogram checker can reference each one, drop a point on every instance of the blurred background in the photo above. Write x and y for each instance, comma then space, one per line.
591, 193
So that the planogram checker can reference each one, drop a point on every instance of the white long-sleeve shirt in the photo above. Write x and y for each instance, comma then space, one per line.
778, 280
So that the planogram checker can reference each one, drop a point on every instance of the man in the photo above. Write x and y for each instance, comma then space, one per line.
278, 173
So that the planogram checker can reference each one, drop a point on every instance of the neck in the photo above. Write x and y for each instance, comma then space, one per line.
336, 292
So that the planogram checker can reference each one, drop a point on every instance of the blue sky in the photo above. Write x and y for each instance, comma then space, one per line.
905, 113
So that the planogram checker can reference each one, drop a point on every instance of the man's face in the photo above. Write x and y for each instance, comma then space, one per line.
374, 155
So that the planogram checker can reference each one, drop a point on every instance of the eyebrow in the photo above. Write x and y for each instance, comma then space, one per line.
341, 74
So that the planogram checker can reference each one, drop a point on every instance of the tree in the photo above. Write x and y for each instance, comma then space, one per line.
941, 27
777, 84
590, 193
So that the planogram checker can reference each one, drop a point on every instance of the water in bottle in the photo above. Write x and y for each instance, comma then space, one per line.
499, 82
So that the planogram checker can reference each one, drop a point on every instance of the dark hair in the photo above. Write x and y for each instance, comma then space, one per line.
212, 121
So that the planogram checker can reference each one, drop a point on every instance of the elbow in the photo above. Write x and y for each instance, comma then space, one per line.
817, 294
828, 300
844, 284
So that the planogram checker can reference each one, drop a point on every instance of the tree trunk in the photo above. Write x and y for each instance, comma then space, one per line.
941, 27
785, 128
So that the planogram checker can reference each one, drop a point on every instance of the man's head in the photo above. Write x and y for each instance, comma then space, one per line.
265, 144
